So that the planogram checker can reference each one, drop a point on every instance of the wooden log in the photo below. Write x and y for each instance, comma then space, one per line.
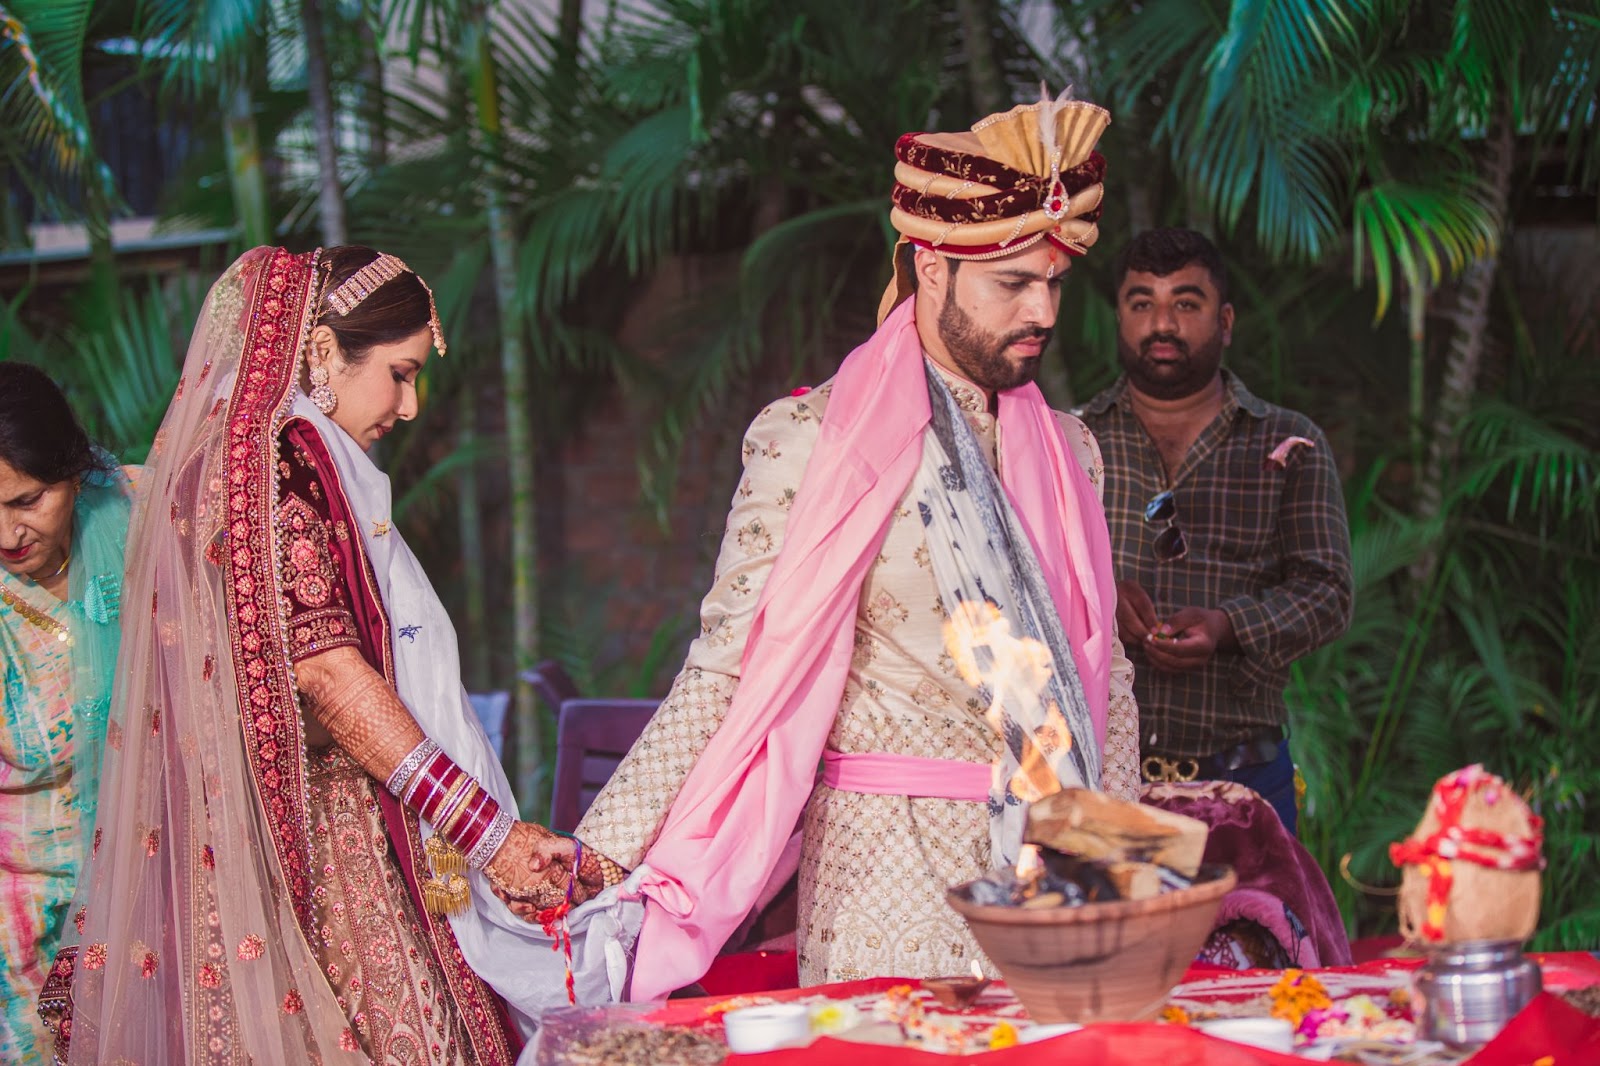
1135, 880
1079, 821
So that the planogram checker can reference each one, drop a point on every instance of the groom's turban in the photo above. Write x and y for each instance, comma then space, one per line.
1019, 177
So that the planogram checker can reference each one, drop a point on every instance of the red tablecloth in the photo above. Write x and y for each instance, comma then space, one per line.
1548, 1033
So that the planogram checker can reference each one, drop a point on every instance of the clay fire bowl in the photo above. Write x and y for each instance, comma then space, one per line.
1101, 961
956, 993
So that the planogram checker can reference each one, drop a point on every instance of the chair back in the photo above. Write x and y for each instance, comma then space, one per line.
491, 710
553, 684
592, 736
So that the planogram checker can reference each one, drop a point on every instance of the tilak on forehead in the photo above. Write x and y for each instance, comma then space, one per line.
1017, 178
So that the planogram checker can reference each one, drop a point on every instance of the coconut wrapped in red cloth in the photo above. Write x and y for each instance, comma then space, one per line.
1470, 870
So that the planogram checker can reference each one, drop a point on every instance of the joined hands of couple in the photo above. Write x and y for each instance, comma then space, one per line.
1185, 641
534, 870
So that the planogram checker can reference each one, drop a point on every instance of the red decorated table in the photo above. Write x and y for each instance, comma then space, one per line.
1549, 1032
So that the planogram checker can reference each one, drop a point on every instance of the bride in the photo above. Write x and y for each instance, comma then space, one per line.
305, 838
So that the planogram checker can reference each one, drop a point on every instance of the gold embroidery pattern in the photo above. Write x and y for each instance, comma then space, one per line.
317, 631
624, 818
369, 937
265, 378
322, 620
754, 538
866, 650
873, 872
886, 612
307, 567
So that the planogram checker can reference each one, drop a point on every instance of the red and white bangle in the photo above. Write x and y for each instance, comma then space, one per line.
409, 766
458, 808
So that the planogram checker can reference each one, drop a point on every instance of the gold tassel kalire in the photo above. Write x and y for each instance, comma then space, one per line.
447, 891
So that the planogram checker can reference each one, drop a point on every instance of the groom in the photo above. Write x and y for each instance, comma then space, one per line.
927, 482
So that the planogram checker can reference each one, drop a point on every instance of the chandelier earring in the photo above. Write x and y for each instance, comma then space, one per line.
322, 393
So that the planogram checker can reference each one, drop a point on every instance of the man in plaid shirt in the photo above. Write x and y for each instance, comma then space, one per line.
1227, 524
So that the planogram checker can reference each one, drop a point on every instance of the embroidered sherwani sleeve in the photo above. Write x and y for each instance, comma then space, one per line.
1119, 769
624, 819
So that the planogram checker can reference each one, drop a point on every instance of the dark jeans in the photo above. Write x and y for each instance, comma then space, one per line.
1275, 782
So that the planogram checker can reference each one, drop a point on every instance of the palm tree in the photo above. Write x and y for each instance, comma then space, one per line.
753, 131
330, 190
220, 46
1308, 125
1396, 138
520, 439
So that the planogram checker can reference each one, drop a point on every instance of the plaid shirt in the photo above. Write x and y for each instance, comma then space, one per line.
1268, 544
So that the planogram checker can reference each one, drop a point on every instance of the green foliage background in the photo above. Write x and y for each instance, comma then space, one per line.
1381, 174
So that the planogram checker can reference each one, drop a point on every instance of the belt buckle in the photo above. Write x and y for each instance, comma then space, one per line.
1158, 769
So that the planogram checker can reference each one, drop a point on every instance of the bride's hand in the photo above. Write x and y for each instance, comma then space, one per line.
586, 885
531, 870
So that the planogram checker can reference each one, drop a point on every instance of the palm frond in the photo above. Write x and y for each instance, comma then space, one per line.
47, 140
131, 368
1139, 47
428, 493
202, 43
1419, 235
1279, 46
1563, 82
1486, 42
1539, 466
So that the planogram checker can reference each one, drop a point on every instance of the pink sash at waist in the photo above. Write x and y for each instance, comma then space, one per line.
883, 774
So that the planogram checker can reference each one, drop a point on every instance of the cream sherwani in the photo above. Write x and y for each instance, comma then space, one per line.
873, 869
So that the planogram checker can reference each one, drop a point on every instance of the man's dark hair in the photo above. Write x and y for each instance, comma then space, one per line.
1162, 251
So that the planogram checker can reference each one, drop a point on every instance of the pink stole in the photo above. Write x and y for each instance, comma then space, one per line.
725, 832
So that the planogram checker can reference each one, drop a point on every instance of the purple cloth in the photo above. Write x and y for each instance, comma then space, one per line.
1281, 887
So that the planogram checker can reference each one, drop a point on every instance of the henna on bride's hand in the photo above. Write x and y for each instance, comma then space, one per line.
526, 911
545, 892
532, 864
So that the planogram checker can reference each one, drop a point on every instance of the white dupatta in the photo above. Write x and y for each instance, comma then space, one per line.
517, 959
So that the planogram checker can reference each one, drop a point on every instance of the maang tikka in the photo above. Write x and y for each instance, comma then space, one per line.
348, 296
364, 282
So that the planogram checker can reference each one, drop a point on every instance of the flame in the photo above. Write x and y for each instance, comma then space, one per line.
1015, 669
977, 971
1029, 866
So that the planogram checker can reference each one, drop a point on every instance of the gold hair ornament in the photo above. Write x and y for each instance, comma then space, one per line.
366, 281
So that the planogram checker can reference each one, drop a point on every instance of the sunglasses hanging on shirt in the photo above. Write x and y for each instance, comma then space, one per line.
1171, 544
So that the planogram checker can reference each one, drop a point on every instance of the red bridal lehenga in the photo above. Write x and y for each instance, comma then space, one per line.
251, 899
